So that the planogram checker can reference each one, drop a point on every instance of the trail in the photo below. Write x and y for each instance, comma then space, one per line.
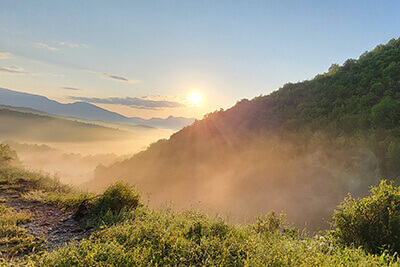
49, 221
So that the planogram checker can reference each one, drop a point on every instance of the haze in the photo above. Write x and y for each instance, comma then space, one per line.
94, 92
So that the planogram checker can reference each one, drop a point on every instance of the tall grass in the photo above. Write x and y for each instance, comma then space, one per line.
38, 186
164, 238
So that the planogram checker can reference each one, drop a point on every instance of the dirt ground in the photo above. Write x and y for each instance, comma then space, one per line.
50, 222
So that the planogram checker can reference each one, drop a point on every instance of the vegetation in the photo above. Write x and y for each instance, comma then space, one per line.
18, 185
127, 233
14, 239
310, 142
372, 222
108, 207
6, 155
314, 141
36, 186
164, 238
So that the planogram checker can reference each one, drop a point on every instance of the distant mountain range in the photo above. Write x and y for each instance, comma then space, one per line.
84, 110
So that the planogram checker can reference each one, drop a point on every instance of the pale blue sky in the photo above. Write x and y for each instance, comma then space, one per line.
227, 50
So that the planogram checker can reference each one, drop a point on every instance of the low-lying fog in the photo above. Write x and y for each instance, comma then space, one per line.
74, 162
199, 168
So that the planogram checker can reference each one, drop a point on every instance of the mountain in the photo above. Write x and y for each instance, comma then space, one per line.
84, 110
300, 149
22, 126
175, 123
78, 109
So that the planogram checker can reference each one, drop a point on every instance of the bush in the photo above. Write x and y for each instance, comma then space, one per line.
7, 155
372, 222
115, 198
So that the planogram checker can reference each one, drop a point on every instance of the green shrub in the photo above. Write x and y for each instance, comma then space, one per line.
372, 222
7, 155
115, 198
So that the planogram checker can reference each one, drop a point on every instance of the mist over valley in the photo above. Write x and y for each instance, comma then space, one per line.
199, 133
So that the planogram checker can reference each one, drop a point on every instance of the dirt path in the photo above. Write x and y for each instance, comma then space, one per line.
48, 221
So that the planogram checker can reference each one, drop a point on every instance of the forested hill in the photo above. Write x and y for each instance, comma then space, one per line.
300, 149
361, 94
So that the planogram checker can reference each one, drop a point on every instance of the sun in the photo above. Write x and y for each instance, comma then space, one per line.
195, 98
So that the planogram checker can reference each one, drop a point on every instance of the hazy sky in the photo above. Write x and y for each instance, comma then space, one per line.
144, 58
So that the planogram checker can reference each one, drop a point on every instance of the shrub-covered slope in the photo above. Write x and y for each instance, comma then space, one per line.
124, 232
300, 149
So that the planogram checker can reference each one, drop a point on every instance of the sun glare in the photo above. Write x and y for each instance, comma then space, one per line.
195, 98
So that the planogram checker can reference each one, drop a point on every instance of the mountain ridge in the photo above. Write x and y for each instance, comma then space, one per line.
84, 110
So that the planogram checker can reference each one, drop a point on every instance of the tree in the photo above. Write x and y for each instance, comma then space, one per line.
6, 155
386, 114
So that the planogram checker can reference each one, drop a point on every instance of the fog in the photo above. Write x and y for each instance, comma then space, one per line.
70, 149
239, 179
207, 166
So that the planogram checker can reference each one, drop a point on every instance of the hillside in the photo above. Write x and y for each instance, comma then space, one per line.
300, 149
71, 148
22, 126
46, 223
24, 110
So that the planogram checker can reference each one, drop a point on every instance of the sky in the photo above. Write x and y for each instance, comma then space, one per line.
145, 58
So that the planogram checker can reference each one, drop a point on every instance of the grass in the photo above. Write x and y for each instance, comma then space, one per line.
135, 235
37, 186
15, 240
163, 238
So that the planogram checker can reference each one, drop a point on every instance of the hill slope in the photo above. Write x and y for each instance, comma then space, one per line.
300, 149
23, 126
46, 223
84, 110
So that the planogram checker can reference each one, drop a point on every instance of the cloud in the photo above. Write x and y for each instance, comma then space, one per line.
72, 88
114, 77
4, 54
46, 46
12, 70
133, 102
71, 45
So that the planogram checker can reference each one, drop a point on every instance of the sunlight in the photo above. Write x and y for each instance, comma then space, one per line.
195, 98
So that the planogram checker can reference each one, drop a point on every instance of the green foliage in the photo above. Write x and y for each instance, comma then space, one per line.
6, 155
111, 205
164, 238
67, 199
134, 235
14, 239
357, 103
271, 223
326, 121
333, 69
115, 198
372, 222
36, 186
386, 113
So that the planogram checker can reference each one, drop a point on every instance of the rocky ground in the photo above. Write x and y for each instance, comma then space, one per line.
48, 221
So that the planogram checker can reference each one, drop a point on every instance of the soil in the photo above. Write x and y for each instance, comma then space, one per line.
49, 221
